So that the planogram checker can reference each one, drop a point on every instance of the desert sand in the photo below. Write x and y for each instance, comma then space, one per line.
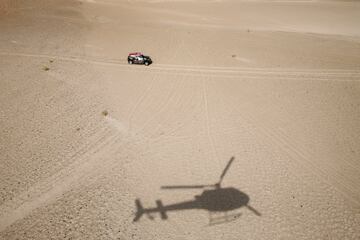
272, 85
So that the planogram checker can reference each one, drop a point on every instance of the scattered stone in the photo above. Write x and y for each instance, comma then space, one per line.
105, 113
45, 68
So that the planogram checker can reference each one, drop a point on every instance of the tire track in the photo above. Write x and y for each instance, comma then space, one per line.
295, 152
139, 101
164, 105
180, 69
207, 118
50, 189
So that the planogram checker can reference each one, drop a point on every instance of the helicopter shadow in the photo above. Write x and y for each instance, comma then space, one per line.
214, 199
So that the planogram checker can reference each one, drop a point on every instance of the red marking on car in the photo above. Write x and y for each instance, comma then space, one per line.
135, 54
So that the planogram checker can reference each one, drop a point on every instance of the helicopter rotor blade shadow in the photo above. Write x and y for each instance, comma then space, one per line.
253, 210
226, 169
185, 186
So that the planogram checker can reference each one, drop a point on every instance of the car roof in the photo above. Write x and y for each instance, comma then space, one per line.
135, 54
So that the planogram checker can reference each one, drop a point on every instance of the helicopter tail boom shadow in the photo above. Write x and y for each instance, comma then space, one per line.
162, 212
140, 210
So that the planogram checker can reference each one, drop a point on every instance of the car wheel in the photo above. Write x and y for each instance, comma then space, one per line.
130, 62
146, 63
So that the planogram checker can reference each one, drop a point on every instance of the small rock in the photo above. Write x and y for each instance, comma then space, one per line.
105, 113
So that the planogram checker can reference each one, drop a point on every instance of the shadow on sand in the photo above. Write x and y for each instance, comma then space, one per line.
214, 199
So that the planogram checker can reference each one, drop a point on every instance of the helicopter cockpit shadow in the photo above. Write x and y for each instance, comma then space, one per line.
214, 198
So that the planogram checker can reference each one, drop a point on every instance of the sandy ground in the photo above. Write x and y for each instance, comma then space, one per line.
273, 84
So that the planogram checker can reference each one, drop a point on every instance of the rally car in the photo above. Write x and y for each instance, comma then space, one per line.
139, 58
